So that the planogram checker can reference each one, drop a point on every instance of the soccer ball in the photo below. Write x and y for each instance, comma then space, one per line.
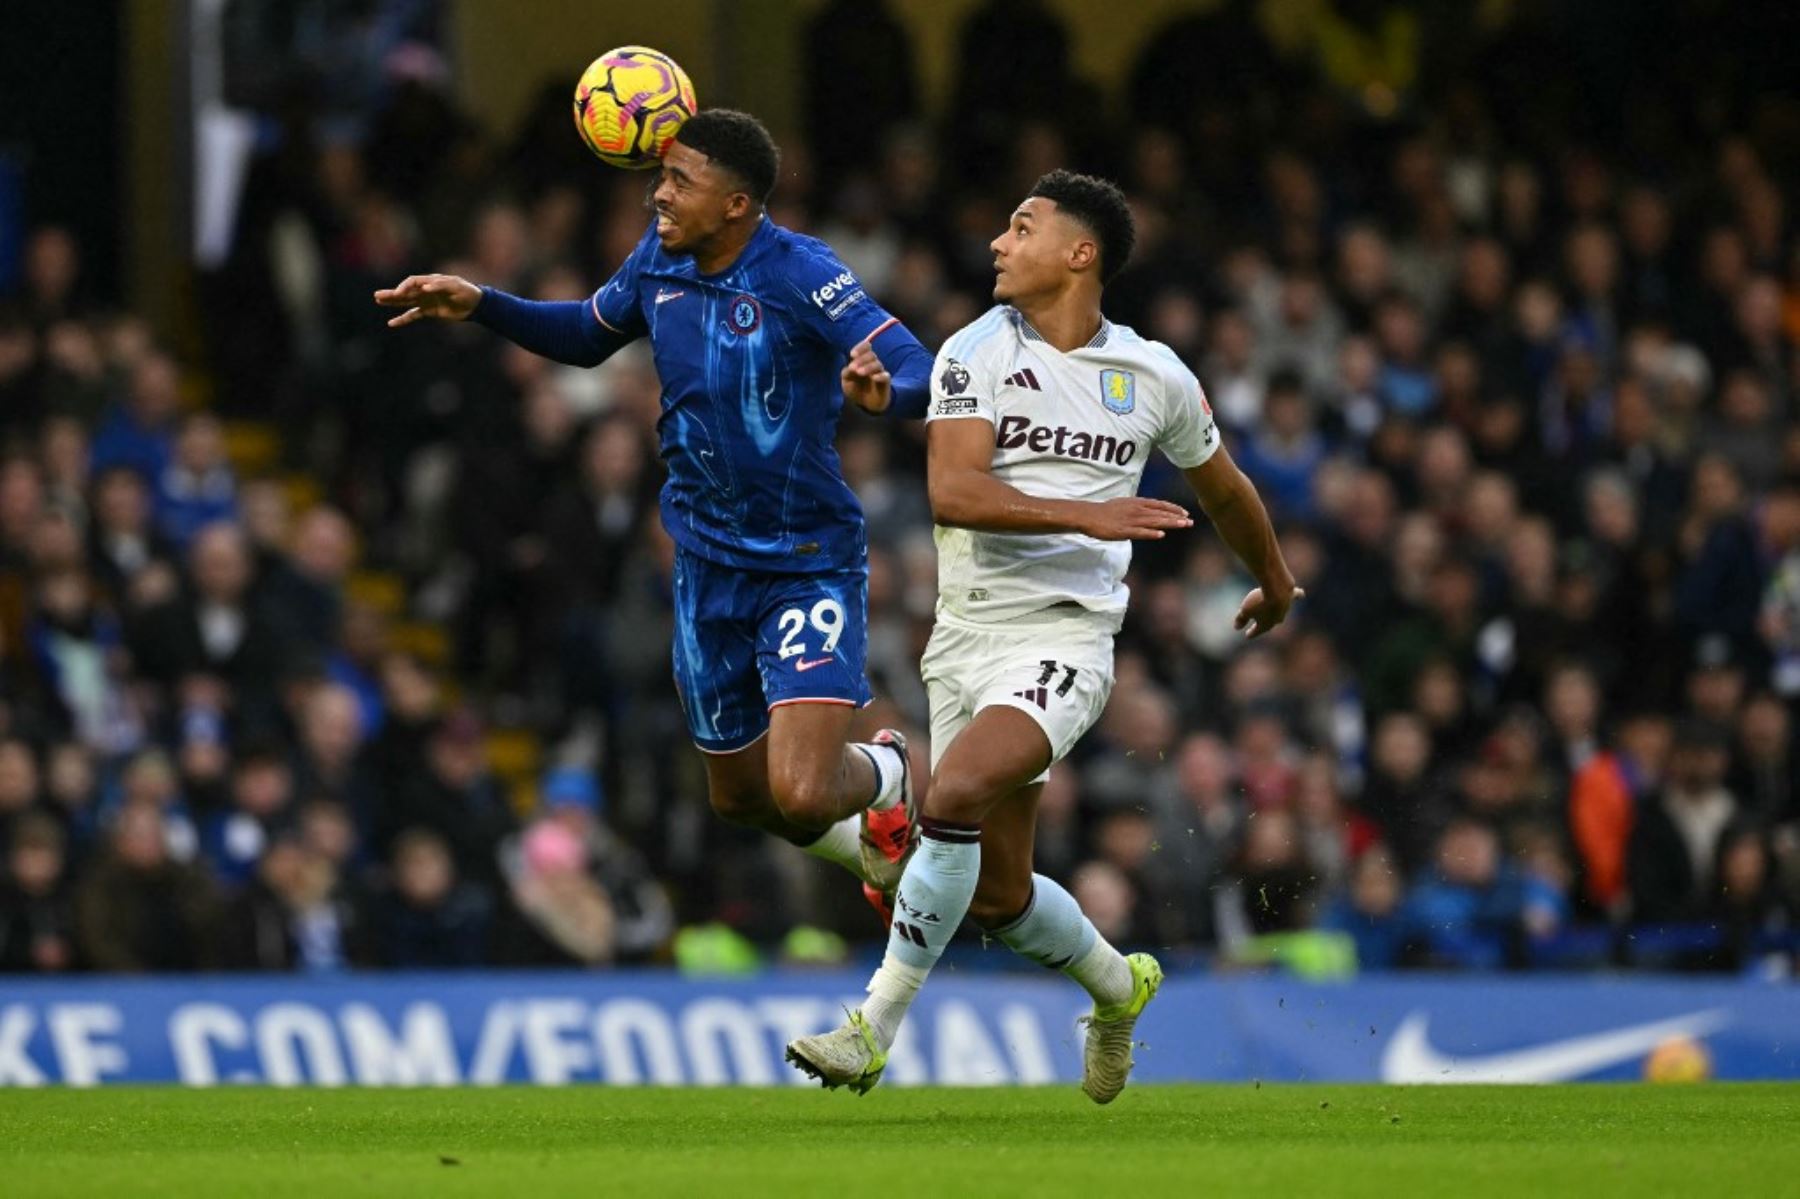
630, 103
1678, 1059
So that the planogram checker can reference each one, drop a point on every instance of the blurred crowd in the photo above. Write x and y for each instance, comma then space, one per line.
1497, 304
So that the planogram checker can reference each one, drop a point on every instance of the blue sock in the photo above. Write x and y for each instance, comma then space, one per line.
1053, 932
934, 896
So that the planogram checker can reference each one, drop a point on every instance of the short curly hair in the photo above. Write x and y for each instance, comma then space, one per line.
1100, 206
738, 142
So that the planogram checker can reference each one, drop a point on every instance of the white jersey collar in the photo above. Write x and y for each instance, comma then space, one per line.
1030, 334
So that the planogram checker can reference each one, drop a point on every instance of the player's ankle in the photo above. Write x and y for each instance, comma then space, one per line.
890, 993
1104, 973
890, 775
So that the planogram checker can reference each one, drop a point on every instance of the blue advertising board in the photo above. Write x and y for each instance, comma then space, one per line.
636, 1028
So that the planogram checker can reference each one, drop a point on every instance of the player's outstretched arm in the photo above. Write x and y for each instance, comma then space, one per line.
965, 494
438, 297
1237, 512
567, 331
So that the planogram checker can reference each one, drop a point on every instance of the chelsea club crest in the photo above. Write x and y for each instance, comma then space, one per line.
1118, 391
743, 314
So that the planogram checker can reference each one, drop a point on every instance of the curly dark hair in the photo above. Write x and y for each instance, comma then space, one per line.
1099, 205
738, 142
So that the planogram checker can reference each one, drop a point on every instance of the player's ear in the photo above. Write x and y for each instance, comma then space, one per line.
1083, 254
738, 204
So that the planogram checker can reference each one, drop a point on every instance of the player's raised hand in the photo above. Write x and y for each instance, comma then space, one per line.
1134, 518
867, 383
1260, 613
440, 297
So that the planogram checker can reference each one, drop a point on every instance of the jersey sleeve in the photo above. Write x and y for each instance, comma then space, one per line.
959, 390
832, 303
616, 305
909, 368
1189, 434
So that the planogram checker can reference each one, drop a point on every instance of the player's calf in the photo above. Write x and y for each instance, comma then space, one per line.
998, 901
815, 778
737, 788
743, 805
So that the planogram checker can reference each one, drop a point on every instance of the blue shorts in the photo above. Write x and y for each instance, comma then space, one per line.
747, 642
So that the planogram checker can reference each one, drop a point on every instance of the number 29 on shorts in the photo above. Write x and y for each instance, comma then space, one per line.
826, 617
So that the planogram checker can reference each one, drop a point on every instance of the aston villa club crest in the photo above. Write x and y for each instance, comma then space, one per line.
1118, 391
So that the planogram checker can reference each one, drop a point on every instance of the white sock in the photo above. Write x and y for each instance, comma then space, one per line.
889, 773
891, 993
1104, 973
841, 843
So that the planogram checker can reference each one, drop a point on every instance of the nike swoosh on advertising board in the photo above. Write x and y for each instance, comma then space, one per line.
1410, 1056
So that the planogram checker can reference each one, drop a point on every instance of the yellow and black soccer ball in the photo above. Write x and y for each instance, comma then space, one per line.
629, 104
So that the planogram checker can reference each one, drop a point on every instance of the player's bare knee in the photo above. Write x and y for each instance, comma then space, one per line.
960, 797
807, 802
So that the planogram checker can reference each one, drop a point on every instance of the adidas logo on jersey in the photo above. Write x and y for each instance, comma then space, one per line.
1018, 432
1036, 695
1023, 378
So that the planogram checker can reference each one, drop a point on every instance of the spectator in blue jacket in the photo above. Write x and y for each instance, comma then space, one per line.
1283, 455
1368, 910
139, 430
1470, 914
197, 488
262, 792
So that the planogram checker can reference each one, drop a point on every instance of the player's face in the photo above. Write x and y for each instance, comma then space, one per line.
694, 199
1037, 252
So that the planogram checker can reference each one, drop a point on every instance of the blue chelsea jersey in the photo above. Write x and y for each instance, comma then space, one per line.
749, 360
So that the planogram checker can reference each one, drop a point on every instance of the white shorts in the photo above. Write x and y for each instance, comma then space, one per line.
1056, 670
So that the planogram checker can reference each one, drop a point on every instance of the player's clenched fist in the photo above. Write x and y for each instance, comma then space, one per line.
1133, 518
441, 297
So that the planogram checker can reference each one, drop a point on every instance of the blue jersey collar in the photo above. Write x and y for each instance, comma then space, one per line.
687, 268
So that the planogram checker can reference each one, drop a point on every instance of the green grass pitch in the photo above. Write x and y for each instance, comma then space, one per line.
1638, 1140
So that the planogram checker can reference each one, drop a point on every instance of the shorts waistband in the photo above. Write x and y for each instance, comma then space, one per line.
1061, 612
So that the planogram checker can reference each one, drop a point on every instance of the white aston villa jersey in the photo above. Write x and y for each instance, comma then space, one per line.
1074, 426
